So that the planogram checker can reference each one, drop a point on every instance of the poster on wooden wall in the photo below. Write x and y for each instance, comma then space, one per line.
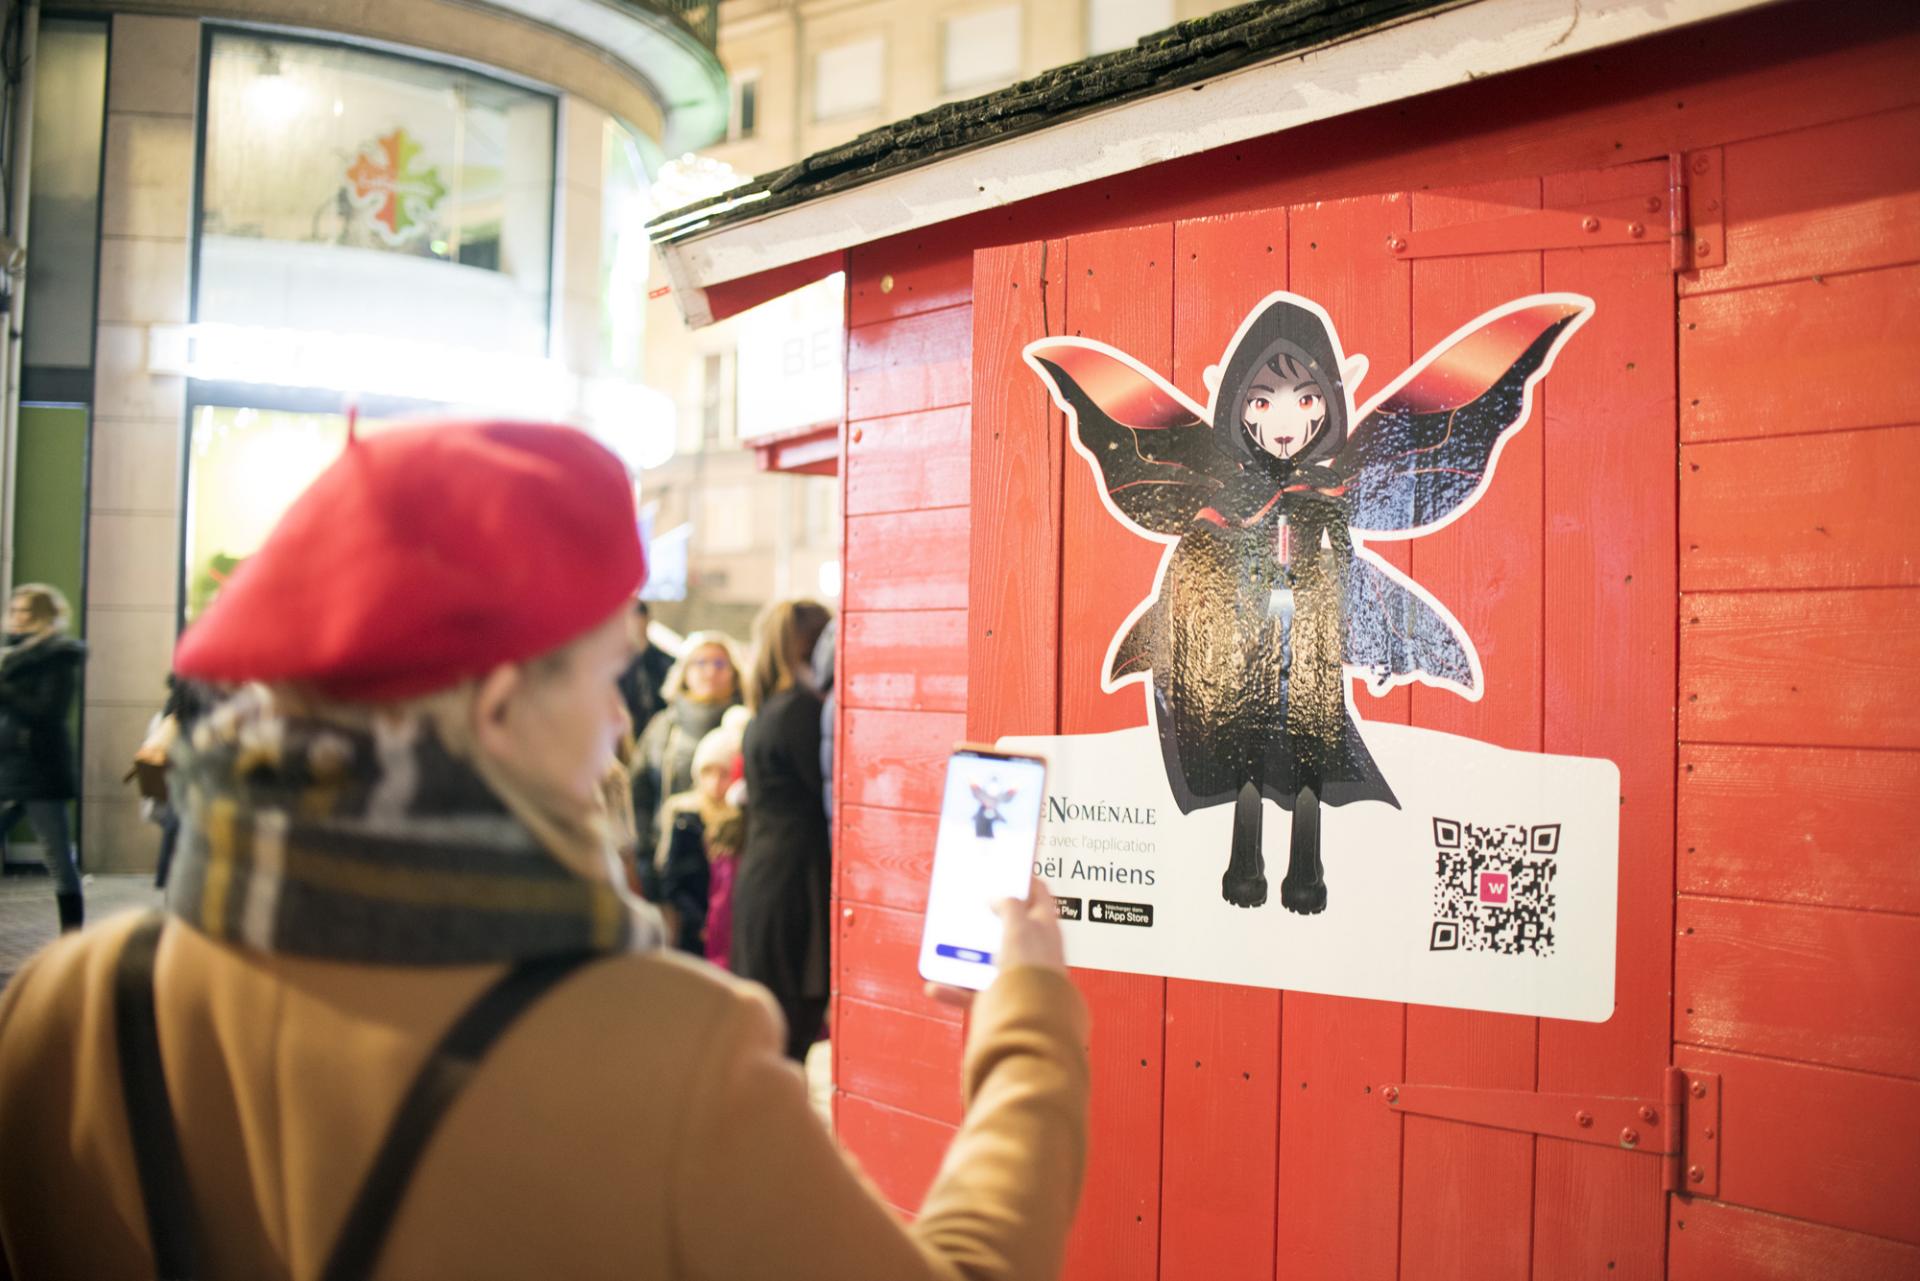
1419, 865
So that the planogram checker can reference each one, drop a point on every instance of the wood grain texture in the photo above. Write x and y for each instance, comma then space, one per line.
1340, 1170
1820, 826
1835, 198
1816, 1143
909, 365
1806, 356
920, 271
1714, 1242
899, 1151
1340, 1149
1812, 984
1834, 510
906, 1061
909, 462
1467, 1205
907, 560
914, 661
1221, 1102
885, 857
1814, 667
881, 951
1119, 288
1610, 666
897, 759
1014, 631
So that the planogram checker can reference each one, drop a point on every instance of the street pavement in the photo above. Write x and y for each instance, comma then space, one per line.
28, 921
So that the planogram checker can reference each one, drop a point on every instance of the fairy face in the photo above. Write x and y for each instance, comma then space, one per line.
1284, 407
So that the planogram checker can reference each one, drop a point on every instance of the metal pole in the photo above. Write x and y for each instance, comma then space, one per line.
20, 147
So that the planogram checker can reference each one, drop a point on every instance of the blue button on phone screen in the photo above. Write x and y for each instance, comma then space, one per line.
963, 954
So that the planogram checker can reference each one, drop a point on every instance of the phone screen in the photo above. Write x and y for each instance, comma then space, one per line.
989, 829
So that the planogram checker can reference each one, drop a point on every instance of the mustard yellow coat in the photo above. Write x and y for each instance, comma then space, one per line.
639, 1122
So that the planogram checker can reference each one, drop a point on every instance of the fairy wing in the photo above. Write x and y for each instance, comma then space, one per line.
1397, 636
1152, 447
1425, 450
980, 793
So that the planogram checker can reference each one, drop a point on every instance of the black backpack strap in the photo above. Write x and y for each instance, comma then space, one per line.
143, 1084
434, 1090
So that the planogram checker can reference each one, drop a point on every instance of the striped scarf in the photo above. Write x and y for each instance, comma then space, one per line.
374, 845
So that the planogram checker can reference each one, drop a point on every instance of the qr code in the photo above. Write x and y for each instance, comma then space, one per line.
1493, 887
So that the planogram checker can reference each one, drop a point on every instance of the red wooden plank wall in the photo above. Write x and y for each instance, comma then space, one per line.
1236, 1131
903, 697
1797, 952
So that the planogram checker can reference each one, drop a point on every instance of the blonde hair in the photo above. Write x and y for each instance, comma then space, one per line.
783, 639
582, 841
676, 682
46, 603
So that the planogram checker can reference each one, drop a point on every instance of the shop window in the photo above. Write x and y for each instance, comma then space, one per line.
849, 78
245, 466
980, 50
716, 399
745, 120
64, 195
1119, 24
354, 192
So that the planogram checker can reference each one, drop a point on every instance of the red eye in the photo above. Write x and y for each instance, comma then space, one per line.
1309, 400
1260, 403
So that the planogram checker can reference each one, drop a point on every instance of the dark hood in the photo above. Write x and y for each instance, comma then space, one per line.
1284, 328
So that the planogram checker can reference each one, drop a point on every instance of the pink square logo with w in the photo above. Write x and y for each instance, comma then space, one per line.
1493, 887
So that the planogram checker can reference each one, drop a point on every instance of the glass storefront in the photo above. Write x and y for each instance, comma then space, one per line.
347, 191
244, 467
370, 225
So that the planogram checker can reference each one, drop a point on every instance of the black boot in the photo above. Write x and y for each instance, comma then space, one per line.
1304, 888
72, 911
1245, 882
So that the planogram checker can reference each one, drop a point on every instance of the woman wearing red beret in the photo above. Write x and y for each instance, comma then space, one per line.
400, 1018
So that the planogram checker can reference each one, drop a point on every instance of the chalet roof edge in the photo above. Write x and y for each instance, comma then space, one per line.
1267, 68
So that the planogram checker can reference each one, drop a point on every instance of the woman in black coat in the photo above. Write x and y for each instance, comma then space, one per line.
780, 907
39, 674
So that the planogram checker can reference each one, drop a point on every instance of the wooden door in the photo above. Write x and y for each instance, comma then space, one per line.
1241, 1132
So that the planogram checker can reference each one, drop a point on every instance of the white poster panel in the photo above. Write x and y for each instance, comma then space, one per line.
1491, 887
1406, 864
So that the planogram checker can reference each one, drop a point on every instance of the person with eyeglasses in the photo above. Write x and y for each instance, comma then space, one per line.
699, 689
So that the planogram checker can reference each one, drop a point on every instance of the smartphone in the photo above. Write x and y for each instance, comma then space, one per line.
983, 852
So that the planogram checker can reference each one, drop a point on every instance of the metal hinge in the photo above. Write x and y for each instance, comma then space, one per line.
1682, 1128
1696, 209
1689, 212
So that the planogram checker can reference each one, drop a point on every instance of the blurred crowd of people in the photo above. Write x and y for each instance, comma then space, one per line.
724, 791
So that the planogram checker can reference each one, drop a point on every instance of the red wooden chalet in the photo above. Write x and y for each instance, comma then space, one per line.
1699, 561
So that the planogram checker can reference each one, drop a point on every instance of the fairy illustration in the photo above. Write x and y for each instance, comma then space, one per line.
1267, 598
988, 812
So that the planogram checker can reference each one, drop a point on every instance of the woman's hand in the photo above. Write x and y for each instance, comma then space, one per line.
1030, 935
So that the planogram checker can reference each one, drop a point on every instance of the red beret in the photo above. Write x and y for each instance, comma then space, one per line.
426, 555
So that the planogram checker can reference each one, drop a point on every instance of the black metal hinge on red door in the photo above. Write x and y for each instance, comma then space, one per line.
1682, 1128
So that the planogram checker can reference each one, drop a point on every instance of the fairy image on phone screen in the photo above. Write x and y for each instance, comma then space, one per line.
989, 829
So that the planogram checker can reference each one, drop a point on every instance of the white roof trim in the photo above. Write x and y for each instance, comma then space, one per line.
1420, 55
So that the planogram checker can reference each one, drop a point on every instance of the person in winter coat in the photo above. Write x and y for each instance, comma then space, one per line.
700, 846
699, 689
780, 923
39, 676
399, 1019
646, 673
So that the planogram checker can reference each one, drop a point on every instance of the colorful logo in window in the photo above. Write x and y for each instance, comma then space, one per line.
386, 179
